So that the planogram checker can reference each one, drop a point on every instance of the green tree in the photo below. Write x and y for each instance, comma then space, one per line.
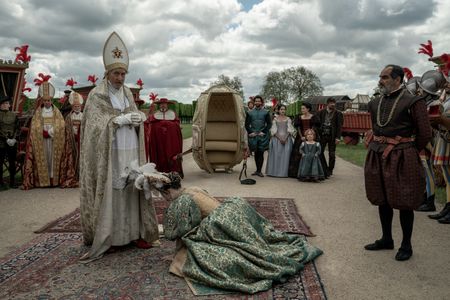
235, 83
275, 86
292, 84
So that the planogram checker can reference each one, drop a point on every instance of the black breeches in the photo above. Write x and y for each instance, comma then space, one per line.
331, 143
10, 154
259, 160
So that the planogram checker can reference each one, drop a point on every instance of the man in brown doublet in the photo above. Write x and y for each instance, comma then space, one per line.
394, 175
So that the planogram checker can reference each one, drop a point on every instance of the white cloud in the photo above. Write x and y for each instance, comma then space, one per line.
179, 47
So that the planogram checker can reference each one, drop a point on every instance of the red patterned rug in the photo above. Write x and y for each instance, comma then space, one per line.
48, 268
282, 212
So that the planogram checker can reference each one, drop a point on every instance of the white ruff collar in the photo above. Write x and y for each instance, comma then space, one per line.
168, 115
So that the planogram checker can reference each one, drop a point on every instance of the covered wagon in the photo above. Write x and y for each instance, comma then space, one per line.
218, 130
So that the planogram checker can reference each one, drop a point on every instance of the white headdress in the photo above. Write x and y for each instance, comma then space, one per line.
145, 178
46, 90
75, 98
115, 53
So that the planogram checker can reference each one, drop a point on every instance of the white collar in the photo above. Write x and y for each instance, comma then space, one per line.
47, 110
116, 92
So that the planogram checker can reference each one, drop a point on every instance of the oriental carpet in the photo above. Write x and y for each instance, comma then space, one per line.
47, 267
281, 212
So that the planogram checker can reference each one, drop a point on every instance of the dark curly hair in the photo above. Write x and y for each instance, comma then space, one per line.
175, 181
307, 105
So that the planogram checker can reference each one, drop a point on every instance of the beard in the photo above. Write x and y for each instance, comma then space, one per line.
388, 89
384, 89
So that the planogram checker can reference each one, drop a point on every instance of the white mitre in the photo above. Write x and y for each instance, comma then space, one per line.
75, 98
115, 53
46, 90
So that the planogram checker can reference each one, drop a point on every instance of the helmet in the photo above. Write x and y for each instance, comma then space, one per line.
412, 84
432, 81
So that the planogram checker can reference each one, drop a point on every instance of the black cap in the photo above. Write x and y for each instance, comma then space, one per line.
4, 99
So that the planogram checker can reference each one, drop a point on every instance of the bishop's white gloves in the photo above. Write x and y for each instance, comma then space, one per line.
138, 118
133, 119
51, 132
11, 142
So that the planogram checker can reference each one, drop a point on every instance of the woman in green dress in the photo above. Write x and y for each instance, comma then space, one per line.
310, 168
228, 246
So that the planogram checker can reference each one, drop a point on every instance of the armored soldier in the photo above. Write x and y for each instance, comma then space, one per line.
9, 128
428, 86
441, 151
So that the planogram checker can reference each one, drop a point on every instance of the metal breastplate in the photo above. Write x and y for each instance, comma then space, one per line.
7, 123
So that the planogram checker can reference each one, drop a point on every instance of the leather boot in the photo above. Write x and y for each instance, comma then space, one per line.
445, 219
12, 184
427, 204
442, 213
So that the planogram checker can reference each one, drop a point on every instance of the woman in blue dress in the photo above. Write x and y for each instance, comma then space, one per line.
282, 134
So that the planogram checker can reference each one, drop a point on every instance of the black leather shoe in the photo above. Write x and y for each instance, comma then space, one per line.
442, 213
380, 245
403, 254
427, 204
445, 219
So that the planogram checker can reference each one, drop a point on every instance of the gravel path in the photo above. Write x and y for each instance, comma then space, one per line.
337, 211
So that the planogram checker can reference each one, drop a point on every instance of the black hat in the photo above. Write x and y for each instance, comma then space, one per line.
4, 99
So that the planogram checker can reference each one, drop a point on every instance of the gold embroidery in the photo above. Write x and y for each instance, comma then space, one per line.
41, 175
117, 53
48, 120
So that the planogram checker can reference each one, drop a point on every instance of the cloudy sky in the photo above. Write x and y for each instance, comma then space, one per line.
179, 47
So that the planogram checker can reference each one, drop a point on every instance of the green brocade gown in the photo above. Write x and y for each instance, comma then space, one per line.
235, 248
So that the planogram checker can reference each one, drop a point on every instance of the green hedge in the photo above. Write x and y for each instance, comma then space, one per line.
294, 109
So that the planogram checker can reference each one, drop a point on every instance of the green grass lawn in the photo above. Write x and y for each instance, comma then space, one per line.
186, 130
357, 155
354, 154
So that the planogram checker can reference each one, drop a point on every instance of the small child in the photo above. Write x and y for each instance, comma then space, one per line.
310, 168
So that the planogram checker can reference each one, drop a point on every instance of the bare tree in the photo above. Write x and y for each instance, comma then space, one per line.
292, 84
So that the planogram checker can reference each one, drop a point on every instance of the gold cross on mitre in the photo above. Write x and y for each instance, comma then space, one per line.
117, 53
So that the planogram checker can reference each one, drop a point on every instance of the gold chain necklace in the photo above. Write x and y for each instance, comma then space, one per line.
391, 113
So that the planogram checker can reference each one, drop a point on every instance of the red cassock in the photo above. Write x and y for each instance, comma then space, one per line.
163, 141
